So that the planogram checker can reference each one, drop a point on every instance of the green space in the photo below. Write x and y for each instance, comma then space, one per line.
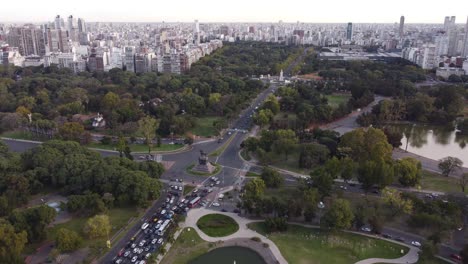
252, 174
18, 135
188, 246
291, 164
436, 182
245, 154
190, 170
119, 218
137, 147
308, 245
221, 149
188, 189
217, 225
283, 191
204, 126
335, 100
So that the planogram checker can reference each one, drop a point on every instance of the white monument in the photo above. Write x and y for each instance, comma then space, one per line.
281, 78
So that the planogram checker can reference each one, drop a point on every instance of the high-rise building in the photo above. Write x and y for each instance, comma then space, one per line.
28, 39
452, 33
81, 25
129, 58
402, 26
465, 41
197, 32
58, 22
57, 40
349, 31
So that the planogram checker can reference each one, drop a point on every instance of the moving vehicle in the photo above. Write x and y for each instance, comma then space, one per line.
163, 227
144, 226
194, 202
416, 243
215, 204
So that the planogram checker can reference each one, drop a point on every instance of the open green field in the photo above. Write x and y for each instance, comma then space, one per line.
291, 164
204, 127
119, 218
334, 100
188, 246
307, 245
137, 147
18, 135
436, 182
217, 225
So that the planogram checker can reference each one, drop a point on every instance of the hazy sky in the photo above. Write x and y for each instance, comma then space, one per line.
415, 11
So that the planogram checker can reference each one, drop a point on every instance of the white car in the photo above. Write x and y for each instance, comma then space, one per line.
147, 256
416, 243
154, 241
142, 243
180, 188
160, 241
365, 229
215, 204
134, 258
135, 250
133, 245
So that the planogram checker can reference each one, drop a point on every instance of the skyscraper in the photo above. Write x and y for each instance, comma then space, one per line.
465, 41
81, 25
452, 33
402, 26
197, 32
58, 22
349, 31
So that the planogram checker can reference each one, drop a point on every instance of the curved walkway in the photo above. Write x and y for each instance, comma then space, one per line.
244, 232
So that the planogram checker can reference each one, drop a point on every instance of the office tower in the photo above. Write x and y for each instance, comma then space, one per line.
402, 26
446, 23
453, 37
465, 41
197, 32
32, 41
57, 22
72, 24
349, 31
441, 42
81, 25
129, 58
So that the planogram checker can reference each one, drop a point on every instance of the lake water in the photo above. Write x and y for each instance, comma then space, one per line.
230, 255
434, 142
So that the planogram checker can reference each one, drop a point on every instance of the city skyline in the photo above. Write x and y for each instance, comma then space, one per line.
241, 11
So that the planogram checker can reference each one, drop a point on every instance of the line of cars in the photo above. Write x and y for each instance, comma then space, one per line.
153, 231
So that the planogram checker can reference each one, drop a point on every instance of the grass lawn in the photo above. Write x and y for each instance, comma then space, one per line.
287, 119
284, 192
119, 218
307, 245
334, 100
188, 188
188, 246
217, 225
137, 147
436, 182
291, 164
18, 135
252, 174
190, 170
204, 126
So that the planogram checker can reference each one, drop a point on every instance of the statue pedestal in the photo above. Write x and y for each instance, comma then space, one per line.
204, 168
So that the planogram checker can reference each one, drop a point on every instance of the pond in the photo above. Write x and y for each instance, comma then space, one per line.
433, 142
230, 255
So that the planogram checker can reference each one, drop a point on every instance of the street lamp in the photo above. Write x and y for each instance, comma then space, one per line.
320, 206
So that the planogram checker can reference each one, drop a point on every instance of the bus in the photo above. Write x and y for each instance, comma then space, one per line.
163, 227
194, 202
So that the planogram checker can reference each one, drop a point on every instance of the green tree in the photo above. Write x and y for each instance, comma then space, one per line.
255, 188
285, 142
98, 226
339, 216
110, 101
121, 145
396, 202
333, 167
323, 181
271, 177
11, 243
33, 220
71, 131
349, 168
408, 170
263, 117
67, 240
272, 104
449, 164
463, 181
312, 154
147, 127
367, 145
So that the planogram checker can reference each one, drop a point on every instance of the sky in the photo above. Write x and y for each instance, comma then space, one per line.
313, 11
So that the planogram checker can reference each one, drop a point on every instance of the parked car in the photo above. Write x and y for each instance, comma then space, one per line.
365, 229
160, 240
215, 204
134, 258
